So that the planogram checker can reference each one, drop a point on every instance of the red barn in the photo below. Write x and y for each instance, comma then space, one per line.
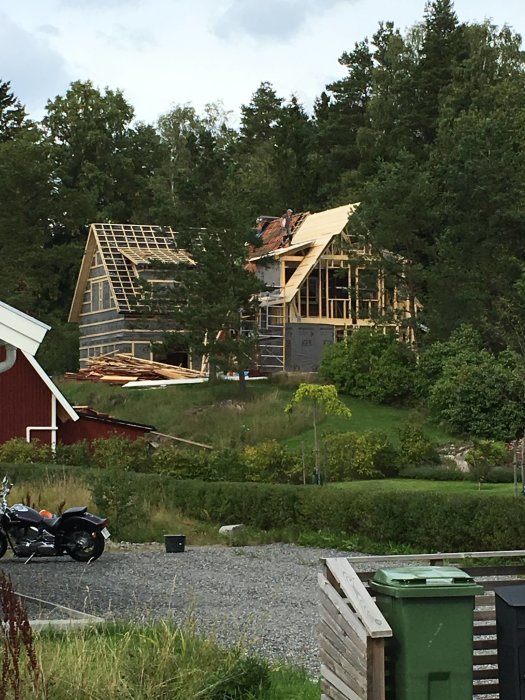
31, 405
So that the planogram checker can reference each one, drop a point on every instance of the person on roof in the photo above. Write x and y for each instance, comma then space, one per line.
286, 226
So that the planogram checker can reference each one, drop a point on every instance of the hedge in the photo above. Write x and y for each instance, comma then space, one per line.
427, 522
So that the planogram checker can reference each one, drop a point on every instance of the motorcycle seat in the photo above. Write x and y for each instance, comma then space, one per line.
76, 510
51, 522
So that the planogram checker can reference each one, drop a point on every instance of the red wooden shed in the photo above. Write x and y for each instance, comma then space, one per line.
31, 405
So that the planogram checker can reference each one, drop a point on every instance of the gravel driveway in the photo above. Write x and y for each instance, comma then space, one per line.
265, 595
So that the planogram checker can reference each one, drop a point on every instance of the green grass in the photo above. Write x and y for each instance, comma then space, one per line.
369, 416
217, 415
423, 486
132, 662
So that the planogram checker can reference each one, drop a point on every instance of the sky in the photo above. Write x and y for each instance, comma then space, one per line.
163, 53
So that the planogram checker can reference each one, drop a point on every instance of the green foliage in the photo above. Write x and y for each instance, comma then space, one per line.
384, 514
18, 451
501, 475
415, 448
349, 456
59, 350
117, 498
121, 453
183, 464
148, 662
474, 391
464, 342
228, 465
406, 131
481, 394
433, 473
211, 298
78, 454
484, 456
320, 396
371, 365
271, 463
245, 677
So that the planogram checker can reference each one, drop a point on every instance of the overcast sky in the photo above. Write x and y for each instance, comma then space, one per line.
161, 53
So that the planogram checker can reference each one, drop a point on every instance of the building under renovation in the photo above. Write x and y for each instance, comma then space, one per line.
323, 282
107, 300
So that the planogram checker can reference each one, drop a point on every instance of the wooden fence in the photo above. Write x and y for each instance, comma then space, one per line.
353, 630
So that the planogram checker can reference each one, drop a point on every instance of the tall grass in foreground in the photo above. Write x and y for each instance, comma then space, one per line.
161, 661
52, 493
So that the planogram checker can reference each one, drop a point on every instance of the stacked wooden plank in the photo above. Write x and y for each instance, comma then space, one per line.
122, 368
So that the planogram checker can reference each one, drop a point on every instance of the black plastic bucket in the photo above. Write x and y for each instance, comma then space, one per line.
174, 543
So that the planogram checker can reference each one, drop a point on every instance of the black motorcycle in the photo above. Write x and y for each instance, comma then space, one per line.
30, 534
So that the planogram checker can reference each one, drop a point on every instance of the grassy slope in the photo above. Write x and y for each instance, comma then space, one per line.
218, 416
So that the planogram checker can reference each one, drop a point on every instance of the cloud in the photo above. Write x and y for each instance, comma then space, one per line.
121, 37
99, 4
34, 70
272, 19
48, 29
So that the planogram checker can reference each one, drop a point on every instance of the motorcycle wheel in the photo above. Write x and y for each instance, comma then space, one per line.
83, 546
3, 544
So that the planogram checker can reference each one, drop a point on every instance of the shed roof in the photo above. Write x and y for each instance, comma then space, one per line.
20, 330
61, 399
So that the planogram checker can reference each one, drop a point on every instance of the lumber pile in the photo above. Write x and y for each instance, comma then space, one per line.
121, 368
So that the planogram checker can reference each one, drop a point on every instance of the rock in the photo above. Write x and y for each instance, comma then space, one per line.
456, 454
231, 529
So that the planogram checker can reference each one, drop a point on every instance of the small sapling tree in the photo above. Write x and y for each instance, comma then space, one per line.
319, 397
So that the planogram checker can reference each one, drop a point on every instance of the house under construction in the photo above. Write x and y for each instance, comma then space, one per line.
106, 303
323, 282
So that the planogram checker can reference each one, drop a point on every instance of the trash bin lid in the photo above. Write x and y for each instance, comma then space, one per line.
514, 595
425, 582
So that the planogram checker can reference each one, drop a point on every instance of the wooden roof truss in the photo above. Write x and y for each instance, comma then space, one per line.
126, 250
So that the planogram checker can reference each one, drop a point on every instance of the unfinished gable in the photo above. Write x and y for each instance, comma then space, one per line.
323, 281
117, 258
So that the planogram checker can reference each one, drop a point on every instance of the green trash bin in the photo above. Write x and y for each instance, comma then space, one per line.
431, 612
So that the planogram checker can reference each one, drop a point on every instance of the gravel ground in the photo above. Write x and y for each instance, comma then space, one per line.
264, 595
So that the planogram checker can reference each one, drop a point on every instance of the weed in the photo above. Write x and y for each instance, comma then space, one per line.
17, 644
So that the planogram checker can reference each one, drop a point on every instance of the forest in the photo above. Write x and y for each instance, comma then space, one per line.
426, 129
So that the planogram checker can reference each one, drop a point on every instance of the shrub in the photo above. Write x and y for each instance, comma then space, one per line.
77, 455
501, 475
182, 463
120, 453
118, 499
270, 462
18, 451
228, 465
433, 473
371, 365
484, 456
472, 390
352, 455
463, 342
416, 449
423, 521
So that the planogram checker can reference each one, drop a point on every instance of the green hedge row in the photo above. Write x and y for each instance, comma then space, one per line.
427, 522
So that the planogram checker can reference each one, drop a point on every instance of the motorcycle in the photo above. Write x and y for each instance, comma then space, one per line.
30, 533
